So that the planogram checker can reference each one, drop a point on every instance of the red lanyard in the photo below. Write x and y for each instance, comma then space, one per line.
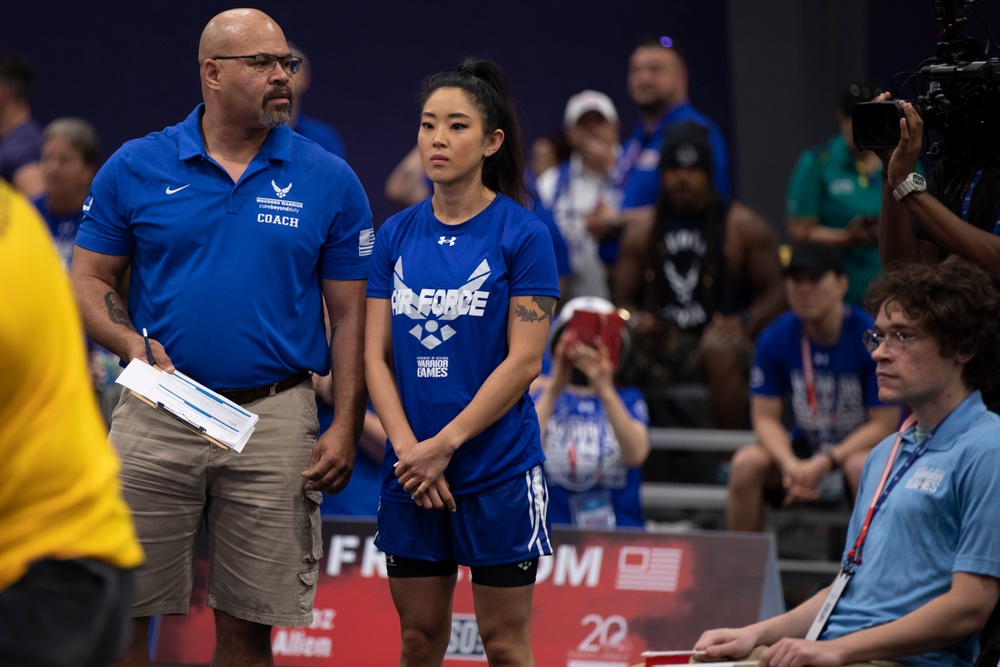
885, 485
824, 424
882, 491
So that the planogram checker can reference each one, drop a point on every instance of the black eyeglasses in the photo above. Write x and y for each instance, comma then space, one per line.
264, 62
872, 340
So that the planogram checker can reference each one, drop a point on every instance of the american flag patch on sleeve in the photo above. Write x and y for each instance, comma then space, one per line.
366, 242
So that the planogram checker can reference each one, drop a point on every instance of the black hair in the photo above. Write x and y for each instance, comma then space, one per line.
486, 84
18, 76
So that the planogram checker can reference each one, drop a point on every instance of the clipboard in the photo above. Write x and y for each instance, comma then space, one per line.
191, 404
160, 407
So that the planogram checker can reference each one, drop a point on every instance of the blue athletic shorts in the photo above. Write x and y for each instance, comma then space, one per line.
506, 523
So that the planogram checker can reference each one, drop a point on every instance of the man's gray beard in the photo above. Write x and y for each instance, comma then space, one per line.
281, 115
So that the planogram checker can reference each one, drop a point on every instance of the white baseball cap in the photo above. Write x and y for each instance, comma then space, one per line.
589, 100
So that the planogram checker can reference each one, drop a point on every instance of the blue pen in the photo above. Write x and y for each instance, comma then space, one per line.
149, 351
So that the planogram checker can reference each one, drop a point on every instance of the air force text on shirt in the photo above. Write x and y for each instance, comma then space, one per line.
439, 302
442, 303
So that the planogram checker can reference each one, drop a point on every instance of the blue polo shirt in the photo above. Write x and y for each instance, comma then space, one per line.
939, 519
640, 162
227, 275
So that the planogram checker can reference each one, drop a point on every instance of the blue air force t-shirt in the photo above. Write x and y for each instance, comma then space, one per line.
450, 288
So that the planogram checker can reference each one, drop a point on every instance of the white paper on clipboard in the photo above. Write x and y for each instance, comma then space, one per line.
201, 409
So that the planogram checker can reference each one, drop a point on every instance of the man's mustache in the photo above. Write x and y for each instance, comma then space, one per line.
279, 91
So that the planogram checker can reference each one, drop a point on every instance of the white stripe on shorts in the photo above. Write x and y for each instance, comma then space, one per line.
538, 502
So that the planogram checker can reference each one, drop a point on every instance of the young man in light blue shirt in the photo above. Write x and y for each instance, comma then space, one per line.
925, 519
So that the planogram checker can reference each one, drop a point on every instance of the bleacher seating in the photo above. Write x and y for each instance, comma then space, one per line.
661, 496
809, 537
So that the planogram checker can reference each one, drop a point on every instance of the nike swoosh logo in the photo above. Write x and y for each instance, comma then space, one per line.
175, 190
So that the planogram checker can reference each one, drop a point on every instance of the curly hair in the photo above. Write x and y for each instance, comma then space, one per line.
955, 302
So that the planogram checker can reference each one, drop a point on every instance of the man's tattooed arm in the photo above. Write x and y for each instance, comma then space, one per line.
546, 304
117, 312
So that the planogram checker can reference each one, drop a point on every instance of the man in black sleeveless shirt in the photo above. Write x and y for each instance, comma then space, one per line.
700, 278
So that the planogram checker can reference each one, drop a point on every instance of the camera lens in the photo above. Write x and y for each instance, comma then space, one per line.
876, 124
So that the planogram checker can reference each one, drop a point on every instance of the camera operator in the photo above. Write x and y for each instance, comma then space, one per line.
954, 213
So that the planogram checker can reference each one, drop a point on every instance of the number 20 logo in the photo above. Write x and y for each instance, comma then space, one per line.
607, 632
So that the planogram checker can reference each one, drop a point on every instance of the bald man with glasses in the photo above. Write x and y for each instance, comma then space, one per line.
237, 231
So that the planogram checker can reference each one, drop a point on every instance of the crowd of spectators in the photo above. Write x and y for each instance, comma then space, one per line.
646, 223
645, 229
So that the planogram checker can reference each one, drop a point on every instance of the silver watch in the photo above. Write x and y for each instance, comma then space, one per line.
912, 183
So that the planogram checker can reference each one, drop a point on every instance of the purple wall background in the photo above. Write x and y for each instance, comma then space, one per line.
130, 67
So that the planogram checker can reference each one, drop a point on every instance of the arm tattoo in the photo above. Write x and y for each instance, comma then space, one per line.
116, 310
545, 303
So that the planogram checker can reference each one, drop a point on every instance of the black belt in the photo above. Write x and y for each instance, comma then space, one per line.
244, 396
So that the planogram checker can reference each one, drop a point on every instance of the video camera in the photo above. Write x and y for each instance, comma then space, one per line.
962, 102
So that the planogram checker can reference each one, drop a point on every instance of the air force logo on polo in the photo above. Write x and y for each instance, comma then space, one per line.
281, 206
280, 192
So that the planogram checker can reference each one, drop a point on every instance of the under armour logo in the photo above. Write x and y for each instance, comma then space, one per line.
281, 192
390, 559
450, 240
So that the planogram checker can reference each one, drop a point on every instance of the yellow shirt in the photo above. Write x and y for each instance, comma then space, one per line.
59, 491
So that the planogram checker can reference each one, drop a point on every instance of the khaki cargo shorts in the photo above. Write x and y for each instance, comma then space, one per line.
263, 532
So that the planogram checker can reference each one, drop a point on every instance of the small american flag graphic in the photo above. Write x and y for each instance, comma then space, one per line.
366, 242
648, 569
